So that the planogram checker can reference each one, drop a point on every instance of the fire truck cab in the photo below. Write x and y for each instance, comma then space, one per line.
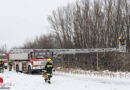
29, 60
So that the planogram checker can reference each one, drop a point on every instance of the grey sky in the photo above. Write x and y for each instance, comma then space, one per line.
25, 19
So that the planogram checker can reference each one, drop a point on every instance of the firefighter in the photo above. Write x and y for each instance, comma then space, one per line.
48, 71
10, 65
1, 66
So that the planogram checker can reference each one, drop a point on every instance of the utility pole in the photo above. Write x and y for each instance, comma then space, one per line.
97, 62
128, 35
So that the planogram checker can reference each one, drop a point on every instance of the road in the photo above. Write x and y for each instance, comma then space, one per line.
62, 81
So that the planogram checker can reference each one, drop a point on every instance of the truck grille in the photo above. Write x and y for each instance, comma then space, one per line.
39, 62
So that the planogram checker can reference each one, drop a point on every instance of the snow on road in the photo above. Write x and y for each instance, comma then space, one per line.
62, 81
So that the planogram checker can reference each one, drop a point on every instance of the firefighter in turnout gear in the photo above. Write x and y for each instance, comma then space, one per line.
10, 65
48, 71
1, 66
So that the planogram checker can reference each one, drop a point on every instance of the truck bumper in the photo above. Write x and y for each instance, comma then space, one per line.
37, 67
37, 70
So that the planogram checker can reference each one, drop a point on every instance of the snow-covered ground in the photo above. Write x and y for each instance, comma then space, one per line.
63, 81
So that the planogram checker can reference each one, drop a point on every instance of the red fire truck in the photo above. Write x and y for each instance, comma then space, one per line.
28, 60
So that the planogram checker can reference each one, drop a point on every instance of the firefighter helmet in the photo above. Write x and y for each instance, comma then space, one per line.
49, 60
119, 38
10, 61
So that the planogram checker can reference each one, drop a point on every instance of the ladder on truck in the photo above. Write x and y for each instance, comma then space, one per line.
121, 48
68, 51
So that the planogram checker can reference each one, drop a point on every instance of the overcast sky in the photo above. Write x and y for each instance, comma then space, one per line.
25, 19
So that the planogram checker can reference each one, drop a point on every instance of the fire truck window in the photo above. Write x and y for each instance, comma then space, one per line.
41, 55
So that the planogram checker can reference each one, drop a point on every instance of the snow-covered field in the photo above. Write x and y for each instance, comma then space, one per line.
63, 81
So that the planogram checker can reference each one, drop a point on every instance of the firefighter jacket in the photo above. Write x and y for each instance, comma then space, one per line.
1, 64
48, 67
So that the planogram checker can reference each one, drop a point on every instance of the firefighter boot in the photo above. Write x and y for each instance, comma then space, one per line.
45, 80
49, 82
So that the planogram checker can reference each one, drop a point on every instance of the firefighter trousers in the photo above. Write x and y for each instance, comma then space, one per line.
10, 68
48, 78
1, 69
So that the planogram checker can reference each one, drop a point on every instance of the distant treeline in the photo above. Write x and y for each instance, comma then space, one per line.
89, 24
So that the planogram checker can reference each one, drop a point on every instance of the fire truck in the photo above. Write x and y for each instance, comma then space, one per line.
4, 59
28, 60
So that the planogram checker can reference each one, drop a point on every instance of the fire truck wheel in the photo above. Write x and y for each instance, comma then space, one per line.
29, 70
5, 67
17, 68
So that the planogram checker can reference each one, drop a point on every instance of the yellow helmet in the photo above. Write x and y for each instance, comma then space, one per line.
10, 61
119, 38
49, 60
0, 59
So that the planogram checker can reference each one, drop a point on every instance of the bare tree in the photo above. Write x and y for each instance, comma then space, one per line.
3, 48
86, 24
